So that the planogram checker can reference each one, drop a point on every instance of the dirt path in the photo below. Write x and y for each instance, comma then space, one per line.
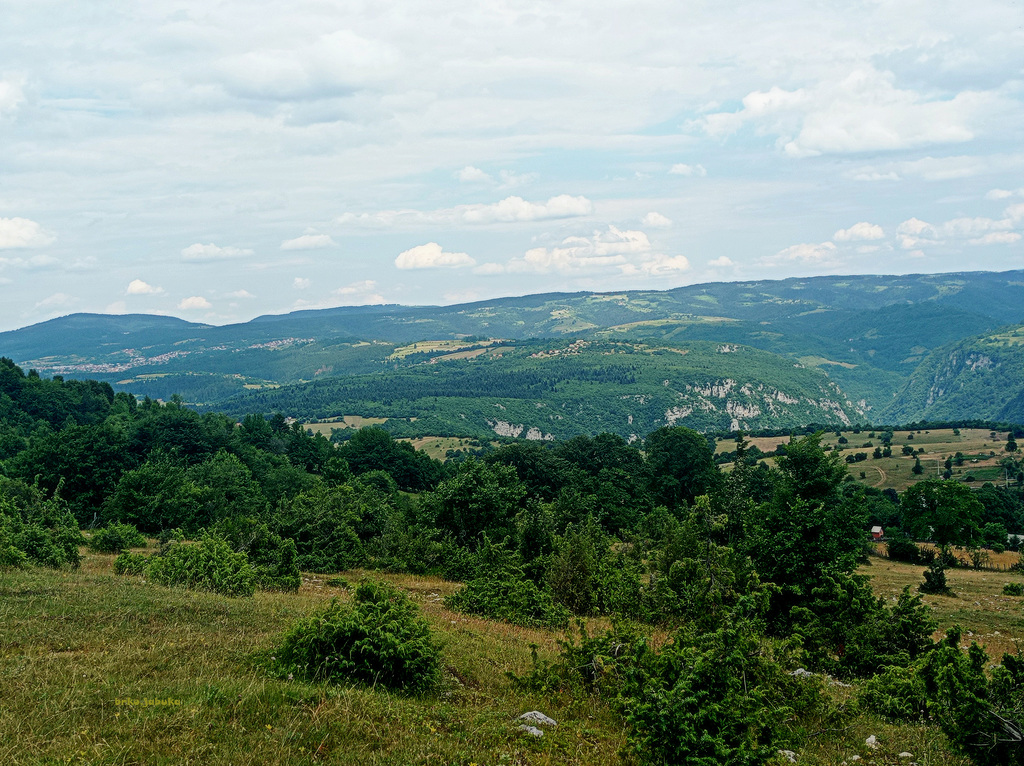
882, 474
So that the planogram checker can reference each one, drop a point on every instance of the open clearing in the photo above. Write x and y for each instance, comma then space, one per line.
982, 450
73, 643
978, 605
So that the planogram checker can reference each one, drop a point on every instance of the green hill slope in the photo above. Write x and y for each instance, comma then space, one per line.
867, 333
980, 377
547, 389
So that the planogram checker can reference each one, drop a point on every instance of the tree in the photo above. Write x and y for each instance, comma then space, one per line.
944, 511
682, 465
479, 498
809, 530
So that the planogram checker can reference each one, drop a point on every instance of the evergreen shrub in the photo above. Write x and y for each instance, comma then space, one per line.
379, 639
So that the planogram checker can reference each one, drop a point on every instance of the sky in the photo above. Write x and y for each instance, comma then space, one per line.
219, 160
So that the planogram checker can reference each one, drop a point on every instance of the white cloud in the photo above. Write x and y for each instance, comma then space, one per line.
658, 266
999, 194
117, 307
432, 256
510, 179
308, 242
682, 169
859, 231
913, 233
194, 302
302, 283
335, 64
722, 262
240, 294
21, 232
509, 210
996, 238
489, 269
11, 96
808, 254
138, 287
603, 249
211, 252
656, 221
863, 111
57, 299
939, 169
472, 175
360, 293
517, 209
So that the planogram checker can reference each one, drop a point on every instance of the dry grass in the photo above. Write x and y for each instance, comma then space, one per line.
977, 444
978, 605
73, 643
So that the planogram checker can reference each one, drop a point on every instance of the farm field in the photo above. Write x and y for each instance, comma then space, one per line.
982, 450
342, 421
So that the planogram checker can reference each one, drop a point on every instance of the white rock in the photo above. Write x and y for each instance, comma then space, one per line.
871, 742
533, 731
789, 755
802, 673
905, 754
854, 758
537, 717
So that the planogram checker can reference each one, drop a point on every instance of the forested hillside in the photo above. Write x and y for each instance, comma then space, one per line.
867, 333
980, 377
555, 389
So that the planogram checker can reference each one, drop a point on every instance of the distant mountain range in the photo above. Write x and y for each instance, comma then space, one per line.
871, 348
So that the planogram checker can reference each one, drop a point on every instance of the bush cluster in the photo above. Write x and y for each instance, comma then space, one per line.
379, 640
116, 537
209, 564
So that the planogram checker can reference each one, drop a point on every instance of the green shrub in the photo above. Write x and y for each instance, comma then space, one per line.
51, 542
379, 639
275, 560
902, 548
11, 557
209, 564
500, 591
702, 699
897, 694
116, 537
935, 579
518, 601
1013, 589
846, 631
129, 563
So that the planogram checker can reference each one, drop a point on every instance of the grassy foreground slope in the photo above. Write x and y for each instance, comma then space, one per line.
76, 642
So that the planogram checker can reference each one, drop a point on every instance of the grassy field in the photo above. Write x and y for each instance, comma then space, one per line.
342, 421
978, 605
437, 446
75, 644
982, 450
